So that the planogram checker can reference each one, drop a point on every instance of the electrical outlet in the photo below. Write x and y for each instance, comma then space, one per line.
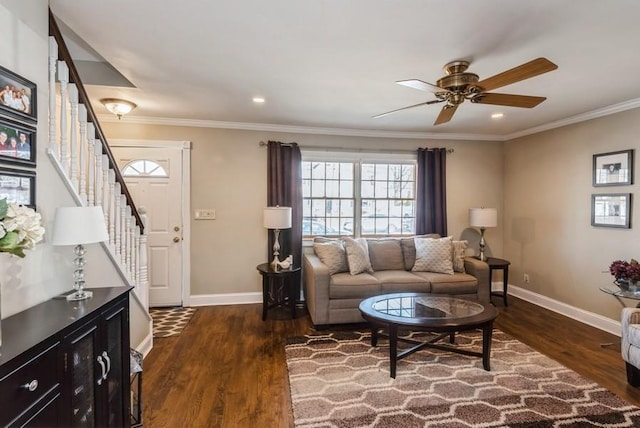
526, 278
206, 214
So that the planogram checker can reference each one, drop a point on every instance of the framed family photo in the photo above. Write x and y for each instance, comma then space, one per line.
18, 186
613, 168
17, 143
17, 96
611, 210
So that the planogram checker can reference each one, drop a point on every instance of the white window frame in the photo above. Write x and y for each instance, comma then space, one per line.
358, 158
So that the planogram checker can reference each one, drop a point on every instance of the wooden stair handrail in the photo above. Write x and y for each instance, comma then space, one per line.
64, 55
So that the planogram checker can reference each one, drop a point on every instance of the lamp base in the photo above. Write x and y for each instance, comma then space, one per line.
482, 245
79, 295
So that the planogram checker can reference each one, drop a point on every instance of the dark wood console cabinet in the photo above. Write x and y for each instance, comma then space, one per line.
66, 364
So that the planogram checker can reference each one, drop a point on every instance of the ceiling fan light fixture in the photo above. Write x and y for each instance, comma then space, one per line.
118, 106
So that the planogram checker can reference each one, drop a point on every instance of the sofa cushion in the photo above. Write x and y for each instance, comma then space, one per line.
401, 281
434, 255
332, 254
344, 285
458, 283
409, 249
459, 250
385, 254
357, 255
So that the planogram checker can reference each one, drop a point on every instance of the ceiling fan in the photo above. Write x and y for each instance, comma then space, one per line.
459, 85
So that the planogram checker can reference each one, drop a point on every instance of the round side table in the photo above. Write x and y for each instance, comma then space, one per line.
503, 265
276, 280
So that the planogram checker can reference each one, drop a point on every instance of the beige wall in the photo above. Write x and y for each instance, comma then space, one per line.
547, 228
228, 173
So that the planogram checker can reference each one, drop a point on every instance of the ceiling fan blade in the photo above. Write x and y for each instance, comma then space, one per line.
445, 114
419, 84
405, 108
510, 100
521, 72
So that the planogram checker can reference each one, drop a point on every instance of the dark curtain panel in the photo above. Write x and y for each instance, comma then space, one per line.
284, 188
431, 200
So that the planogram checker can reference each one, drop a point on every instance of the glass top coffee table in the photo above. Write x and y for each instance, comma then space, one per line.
427, 312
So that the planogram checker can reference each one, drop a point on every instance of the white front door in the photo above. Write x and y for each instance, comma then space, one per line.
154, 178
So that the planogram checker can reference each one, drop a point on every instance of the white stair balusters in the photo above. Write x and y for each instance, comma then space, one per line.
63, 77
73, 134
53, 63
92, 165
110, 200
82, 153
78, 154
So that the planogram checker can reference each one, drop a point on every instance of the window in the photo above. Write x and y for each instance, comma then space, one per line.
358, 197
147, 168
328, 197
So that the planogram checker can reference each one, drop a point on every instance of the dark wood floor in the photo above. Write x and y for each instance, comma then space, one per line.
227, 369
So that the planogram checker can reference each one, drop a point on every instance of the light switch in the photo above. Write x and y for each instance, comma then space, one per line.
206, 214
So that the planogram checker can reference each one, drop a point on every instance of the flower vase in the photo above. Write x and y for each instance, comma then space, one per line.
623, 284
634, 286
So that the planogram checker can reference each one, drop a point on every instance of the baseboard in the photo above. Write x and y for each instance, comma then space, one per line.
586, 317
147, 344
225, 299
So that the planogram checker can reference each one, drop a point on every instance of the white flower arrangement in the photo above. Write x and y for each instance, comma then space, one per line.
20, 228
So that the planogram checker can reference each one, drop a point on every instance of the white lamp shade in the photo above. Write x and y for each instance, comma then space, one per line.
277, 217
79, 225
483, 217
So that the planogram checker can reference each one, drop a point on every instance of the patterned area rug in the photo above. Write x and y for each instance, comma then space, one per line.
170, 321
339, 380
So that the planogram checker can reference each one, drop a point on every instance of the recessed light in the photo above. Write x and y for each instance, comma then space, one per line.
258, 100
497, 115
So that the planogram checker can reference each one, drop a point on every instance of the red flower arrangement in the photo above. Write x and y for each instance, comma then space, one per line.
625, 270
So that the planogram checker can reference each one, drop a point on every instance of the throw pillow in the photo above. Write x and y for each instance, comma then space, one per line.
459, 249
409, 249
434, 255
385, 254
333, 255
357, 255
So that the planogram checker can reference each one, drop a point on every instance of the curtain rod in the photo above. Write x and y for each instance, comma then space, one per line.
345, 149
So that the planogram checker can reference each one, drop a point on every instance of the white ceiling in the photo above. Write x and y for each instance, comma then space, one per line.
333, 63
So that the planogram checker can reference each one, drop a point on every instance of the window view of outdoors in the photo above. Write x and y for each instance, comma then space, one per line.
383, 192
328, 197
388, 199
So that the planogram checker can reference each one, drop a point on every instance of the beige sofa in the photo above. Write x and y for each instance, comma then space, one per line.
334, 298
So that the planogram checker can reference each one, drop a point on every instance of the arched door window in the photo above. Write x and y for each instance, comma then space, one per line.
144, 168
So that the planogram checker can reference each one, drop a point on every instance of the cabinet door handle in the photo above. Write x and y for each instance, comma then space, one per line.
104, 369
31, 386
108, 360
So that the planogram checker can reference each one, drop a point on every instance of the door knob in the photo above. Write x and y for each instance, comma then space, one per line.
176, 228
176, 239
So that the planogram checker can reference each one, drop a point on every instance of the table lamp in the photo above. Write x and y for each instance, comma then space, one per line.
483, 218
277, 218
78, 226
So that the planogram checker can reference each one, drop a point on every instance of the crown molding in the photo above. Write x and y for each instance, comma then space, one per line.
346, 132
245, 126
593, 114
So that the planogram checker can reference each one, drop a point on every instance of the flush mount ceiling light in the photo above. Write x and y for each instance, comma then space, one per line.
497, 115
258, 100
117, 106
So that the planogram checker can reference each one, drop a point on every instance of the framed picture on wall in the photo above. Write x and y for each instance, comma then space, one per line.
17, 96
18, 186
17, 143
613, 168
611, 210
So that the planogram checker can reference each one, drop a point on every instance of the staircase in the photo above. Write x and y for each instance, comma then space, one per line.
80, 153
